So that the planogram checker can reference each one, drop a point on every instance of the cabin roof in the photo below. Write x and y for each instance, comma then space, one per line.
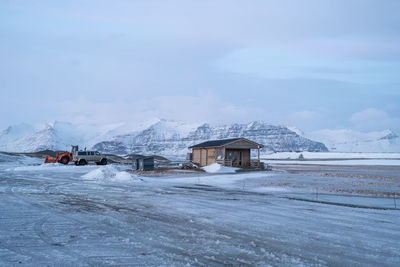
222, 142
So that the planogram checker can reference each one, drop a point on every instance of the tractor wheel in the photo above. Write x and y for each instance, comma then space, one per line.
82, 162
103, 162
64, 160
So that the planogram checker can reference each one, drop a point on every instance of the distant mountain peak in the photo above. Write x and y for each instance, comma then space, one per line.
296, 130
347, 140
390, 136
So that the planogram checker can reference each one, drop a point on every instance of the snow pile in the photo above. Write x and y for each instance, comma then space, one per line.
107, 173
218, 168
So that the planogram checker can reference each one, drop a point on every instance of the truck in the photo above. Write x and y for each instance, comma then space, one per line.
84, 157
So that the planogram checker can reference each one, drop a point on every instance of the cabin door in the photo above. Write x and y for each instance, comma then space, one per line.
238, 158
203, 159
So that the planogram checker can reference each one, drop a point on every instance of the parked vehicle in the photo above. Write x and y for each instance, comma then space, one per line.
85, 157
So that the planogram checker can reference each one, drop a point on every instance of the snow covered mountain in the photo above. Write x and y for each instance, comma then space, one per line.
15, 132
168, 138
347, 140
173, 138
55, 136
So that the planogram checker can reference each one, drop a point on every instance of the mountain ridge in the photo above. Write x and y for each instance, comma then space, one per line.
150, 141
348, 140
172, 138
164, 137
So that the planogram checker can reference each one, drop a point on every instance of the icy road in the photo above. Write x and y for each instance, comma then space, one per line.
293, 216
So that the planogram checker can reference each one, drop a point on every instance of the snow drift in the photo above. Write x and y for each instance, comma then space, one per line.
109, 173
218, 168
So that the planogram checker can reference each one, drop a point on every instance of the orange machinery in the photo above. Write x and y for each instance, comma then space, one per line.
63, 157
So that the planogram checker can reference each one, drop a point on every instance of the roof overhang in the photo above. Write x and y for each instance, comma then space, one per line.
252, 145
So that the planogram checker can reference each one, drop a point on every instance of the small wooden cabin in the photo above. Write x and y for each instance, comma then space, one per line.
229, 152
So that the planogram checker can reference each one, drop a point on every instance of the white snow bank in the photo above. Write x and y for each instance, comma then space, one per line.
108, 173
228, 180
218, 168
57, 167
271, 189
363, 162
330, 155
19, 159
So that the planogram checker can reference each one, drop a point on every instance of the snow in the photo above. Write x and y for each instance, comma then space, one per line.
171, 138
226, 180
291, 216
296, 130
165, 137
333, 158
170, 128
331, 155
53, 167
218, 168
58, 135
366, 162
14, 132
348, 140
109, 173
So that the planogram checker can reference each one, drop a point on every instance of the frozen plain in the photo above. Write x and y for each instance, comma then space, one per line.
292, 216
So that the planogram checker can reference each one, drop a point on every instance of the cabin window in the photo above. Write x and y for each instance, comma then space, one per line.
236, 155
82, 153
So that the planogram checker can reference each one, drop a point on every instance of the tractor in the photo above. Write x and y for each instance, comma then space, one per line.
63, 157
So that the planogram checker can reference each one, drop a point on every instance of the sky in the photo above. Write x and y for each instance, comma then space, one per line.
312, 64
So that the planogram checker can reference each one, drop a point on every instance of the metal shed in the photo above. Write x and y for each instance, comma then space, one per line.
143, 164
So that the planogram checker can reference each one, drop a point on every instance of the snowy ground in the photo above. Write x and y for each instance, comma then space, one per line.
333, 158
331, 155
295, 215
358, 162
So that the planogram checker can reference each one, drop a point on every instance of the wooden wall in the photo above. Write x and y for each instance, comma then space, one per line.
204, 156
246, 158
203, 159
211, 156
207, 156
196, 155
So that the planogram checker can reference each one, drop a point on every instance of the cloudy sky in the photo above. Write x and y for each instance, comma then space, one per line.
312, 64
